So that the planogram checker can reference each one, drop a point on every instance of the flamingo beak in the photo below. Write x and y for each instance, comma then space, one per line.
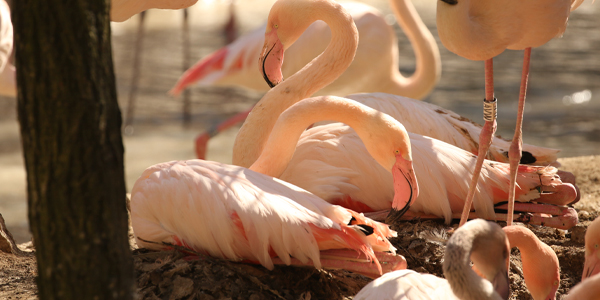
592, 265
501, 283
406, 188
271, 59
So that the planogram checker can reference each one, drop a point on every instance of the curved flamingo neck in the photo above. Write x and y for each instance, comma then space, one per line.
465, 283
540, 263
371, 126
428, 64
317, 74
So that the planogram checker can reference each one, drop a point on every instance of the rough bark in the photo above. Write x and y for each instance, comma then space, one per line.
70, 126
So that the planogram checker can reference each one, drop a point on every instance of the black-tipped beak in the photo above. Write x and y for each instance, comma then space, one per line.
451, 2
395, 215
264, 72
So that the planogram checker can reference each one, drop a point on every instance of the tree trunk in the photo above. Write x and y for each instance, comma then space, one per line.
70, 127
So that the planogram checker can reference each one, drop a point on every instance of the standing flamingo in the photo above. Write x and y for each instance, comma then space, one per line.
480, 241
592, 254
236, 63
481, 30
331, 161
8, 85
235, 213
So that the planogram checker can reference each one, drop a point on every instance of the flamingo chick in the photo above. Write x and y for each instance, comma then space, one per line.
239, 214
592, 254
480, 30
482, 242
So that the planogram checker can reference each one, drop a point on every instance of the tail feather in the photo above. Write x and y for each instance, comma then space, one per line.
211, 63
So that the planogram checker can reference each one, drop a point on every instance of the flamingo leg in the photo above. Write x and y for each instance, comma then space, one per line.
514, 152
202, 139
485, 137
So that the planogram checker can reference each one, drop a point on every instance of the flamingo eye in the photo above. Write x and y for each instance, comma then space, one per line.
276, 26
555, 282
397, 151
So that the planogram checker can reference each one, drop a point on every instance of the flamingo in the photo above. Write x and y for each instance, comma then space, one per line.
121, 10
592, 254
8, 86
482, 30
236, 64
588, 289
482, 242
540, 267
240, 214
328, 150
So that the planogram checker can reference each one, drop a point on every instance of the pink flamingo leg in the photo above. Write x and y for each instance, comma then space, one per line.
485, 137
202, 139
514, 153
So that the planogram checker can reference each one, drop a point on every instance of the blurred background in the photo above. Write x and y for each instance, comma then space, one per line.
562, 109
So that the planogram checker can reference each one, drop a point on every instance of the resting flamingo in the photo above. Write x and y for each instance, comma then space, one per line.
480, 31
236, 213
8, 85
361, 185
121, 10
482, 242
236, 64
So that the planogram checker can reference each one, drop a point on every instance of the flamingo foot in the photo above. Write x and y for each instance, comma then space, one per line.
537, 214
562, 194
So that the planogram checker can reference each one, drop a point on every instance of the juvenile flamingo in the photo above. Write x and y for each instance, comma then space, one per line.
236, 213
479, 241
592, 254
480, 30
362, 185
236, 63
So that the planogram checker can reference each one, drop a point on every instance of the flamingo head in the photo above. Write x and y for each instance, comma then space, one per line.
592, 252
288, 19
491, 254
393, 151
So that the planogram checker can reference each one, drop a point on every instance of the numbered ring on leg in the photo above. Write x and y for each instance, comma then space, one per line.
489, 110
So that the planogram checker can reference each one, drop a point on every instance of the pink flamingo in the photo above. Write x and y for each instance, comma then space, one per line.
480, 241
239, 214
588, 289
480, 31
236, 63
486, 244
592, 254
8, 86
121, 10
328, 150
